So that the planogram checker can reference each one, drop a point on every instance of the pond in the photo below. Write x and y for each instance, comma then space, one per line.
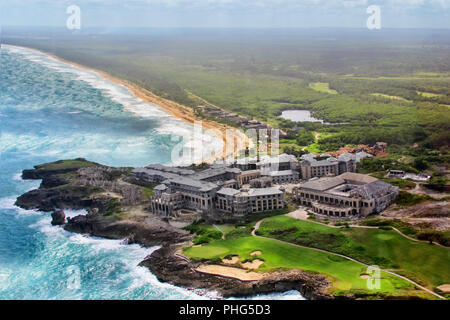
299, 116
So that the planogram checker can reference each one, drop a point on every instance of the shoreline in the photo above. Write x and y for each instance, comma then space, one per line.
177, 110
164, 263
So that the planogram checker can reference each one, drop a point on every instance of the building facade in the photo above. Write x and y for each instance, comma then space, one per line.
208, 191
349, 194
244, 201
313, 166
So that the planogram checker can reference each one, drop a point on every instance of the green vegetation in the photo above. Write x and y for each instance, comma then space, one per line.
441, 237
344, 274
305, 138
78, 191
67, 164
388, 96
147, 192
113, 207
204, 233
401, 183
409, 199
429, 94
407, 158
386, 248
402, 226
260, 74
322, 87
250, 219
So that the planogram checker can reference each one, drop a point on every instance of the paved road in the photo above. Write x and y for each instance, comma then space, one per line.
258, 224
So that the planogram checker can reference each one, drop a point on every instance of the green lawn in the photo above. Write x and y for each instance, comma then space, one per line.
344, 274
424, 263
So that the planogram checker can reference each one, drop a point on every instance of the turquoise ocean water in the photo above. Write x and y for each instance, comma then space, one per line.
50, 110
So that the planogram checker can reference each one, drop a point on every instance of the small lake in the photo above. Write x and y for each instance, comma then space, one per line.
299, 116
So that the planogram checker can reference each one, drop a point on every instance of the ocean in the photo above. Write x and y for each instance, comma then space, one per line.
51, 110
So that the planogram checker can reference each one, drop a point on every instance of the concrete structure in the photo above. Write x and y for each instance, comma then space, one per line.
325, 165
262, 182
349, 194
244, 201
396, 174
280, 163
224, 188
285, 176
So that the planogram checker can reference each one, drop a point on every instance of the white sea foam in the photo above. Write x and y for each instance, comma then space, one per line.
205, 142
74, 213
133, 254
9, 203
288, 295
18, 177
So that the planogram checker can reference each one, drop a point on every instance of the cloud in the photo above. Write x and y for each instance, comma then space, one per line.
305, 13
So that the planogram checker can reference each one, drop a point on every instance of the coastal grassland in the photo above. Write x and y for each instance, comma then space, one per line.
67, 164
345, 275
419, 261
322, 87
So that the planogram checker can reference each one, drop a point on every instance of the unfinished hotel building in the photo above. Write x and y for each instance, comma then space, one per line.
349, 194
246, 187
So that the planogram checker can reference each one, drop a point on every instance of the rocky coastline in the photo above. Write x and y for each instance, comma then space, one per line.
115, 205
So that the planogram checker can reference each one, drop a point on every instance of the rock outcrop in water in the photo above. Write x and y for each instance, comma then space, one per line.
116, 210
58, 218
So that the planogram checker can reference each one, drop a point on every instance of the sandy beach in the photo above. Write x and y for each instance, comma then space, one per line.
235, 136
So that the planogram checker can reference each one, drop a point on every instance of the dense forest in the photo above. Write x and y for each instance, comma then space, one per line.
391, 85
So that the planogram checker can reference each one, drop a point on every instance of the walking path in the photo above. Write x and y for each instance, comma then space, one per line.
258, 224
301, 214
223, 233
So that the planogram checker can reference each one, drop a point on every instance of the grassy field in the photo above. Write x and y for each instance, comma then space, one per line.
389, 97
429, 94
344, 274
419, 261
322, 87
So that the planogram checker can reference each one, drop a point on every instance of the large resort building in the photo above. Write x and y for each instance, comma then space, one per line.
214, 190
349, 194
246, 186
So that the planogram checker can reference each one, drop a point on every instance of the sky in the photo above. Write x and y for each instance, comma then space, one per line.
227, 13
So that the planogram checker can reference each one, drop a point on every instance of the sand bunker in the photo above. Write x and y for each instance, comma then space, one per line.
445, 288
253, 264
365, 276
230, 272
255, 253
233, 260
